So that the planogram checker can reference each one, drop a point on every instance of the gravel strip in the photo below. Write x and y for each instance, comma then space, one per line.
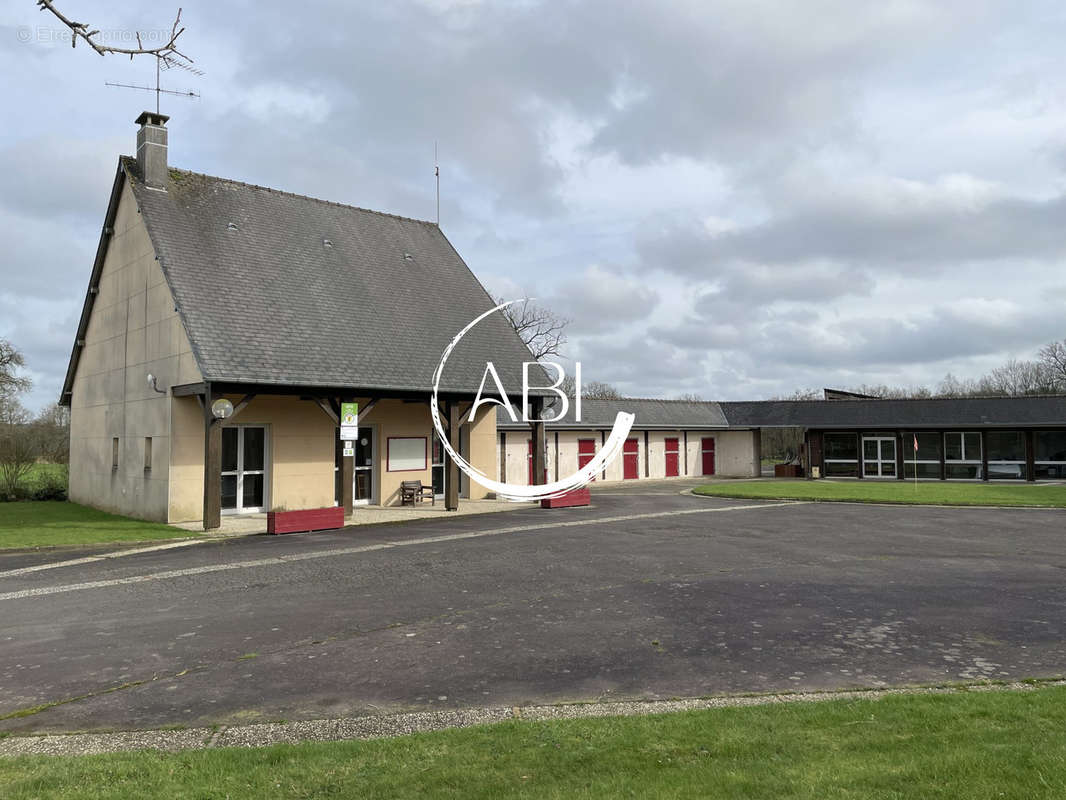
386, 726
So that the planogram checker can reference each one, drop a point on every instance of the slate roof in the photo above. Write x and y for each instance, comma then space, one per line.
650, 414
867, 414
916, 413
266, 300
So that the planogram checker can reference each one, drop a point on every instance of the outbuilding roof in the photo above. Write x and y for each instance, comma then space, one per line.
911, 413
650, 414
283, 289
963, 412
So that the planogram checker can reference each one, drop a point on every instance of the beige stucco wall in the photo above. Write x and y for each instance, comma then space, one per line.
133, 330
736, 454
300, 450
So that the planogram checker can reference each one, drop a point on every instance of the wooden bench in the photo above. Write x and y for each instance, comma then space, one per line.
414, 492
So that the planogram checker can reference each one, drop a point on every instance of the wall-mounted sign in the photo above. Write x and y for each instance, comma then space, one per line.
348, 451
349, 421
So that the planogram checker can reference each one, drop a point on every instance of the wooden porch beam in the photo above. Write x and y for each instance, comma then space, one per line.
212, 511
451, 480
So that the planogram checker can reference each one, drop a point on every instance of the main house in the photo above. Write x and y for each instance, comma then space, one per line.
286, 306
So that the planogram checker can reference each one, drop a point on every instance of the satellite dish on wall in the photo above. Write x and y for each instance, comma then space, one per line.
222, 408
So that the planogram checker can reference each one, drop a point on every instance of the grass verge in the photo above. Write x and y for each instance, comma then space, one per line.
869, 491
51, 523
973, 745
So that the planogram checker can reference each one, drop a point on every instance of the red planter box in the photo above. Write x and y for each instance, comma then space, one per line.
312, 519
578, 497
788, 471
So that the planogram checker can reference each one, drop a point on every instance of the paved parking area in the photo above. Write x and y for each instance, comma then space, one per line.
649, 594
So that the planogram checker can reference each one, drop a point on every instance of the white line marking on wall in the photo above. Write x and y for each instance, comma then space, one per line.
296, 557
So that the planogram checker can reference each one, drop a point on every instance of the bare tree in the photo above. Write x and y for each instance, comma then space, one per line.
691, 397
11, 383
51, 432
598, 390
540, 328
167, 53
1017, 378
1053, 357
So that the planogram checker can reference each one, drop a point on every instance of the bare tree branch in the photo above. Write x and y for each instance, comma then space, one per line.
540, 328
168, 53
11, 383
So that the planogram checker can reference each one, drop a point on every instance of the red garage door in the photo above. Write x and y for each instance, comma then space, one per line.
707, 451
672, 451
629, 459
586, 451
530, 478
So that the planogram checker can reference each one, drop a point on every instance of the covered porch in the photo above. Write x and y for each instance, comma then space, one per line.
280, 449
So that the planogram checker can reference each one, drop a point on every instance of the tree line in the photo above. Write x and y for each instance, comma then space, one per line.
27, 439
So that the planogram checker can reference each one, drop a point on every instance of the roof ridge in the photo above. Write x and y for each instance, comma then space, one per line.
298, 196
913, 399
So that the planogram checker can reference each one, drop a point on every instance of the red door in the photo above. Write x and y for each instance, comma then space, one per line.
586, 450
672, 451
530, 459
707, 450
629, 459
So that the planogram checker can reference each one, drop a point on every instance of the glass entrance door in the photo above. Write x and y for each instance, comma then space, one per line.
878, 457
363, 475
243, 469
438, 467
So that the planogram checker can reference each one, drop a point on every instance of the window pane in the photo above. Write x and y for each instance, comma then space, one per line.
835, 470
888, 449
973, 446
364, 448
869, 468
925, 471
1050, 445
927, 447
254, 450
1006, 472
229, 491
888, 468
952, 447
963, 471
1045, 472
253, 491
869, 449
841, 445
229, 451
1006, 446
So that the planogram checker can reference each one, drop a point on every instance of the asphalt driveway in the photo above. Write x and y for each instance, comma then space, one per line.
649, 594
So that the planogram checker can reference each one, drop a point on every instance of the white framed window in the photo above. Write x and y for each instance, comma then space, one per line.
840, 454
962, 455
926, 461
1049, 452
1006, 455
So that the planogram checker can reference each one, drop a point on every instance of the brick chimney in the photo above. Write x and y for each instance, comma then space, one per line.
152, 148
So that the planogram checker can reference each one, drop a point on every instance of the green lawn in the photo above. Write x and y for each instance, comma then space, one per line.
935, 492
970, 745
49, 523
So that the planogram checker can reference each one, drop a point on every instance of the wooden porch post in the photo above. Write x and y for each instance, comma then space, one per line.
212, 465
1030, 456
536, 406
451, 479
347, 469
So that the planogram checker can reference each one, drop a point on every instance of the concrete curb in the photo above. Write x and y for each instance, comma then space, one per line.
379, 727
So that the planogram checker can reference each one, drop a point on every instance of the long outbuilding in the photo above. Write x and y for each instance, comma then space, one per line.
973, 438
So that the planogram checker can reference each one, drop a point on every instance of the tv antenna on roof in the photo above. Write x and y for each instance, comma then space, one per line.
436, 173
168, 63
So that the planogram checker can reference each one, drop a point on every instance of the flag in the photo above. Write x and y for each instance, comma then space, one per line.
915, 443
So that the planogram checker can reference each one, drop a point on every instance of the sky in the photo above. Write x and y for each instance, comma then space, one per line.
734, 199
